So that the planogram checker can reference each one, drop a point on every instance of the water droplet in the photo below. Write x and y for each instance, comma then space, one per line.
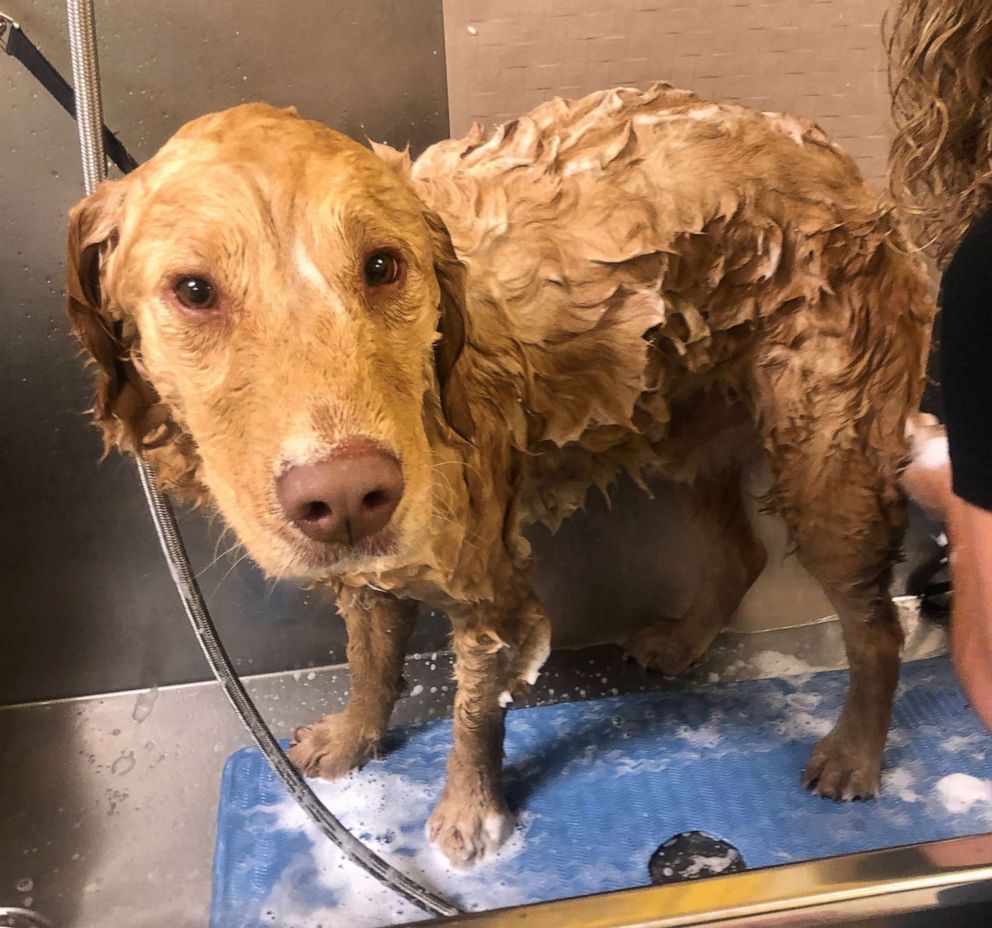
123, 765
143, 705
25, 884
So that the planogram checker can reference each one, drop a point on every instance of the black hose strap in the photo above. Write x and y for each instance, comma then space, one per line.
19, 46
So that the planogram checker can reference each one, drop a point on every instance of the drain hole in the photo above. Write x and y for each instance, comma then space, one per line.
694, 855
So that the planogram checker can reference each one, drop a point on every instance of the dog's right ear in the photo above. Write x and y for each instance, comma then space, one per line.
124, 400
399, 162
452, 320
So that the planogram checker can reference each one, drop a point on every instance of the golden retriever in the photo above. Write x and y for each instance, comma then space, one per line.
379, 371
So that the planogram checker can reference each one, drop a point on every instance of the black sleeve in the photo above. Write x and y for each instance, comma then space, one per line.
966, 364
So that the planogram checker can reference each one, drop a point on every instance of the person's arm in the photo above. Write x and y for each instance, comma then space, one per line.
951, 474
969, 530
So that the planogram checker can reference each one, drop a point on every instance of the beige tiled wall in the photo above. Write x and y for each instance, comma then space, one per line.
818, 58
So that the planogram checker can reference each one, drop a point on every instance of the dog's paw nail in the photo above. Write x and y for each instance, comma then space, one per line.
842, 770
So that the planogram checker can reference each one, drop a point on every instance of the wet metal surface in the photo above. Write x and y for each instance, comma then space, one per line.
78, 557
109, 802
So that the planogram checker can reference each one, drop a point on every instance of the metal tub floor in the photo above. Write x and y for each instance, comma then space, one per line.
109, 803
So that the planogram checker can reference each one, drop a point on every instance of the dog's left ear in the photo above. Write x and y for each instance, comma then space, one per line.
448, 350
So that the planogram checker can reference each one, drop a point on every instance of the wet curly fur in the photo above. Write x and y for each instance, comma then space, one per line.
638, 282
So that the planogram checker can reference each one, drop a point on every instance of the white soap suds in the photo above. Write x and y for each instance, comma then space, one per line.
777, 664
497, 828
804, 700
803, 726
957, 743
923, 639
709, 865
386, 811
960, 793
417, 690
928, 441
900, 782
932, 453
708, 735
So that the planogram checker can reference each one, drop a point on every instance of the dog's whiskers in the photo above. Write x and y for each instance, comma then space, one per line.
229, 571
224, 533
218, 557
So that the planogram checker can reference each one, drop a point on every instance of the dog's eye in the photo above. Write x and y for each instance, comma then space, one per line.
382, 267
195, 292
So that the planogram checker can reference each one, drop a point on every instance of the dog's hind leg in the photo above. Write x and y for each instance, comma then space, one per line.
732, 557
836, 463
379, 627
498, 649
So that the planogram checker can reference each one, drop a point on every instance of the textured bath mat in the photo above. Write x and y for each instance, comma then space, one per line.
598, 787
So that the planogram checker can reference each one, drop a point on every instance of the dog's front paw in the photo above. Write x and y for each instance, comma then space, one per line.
467, 830
331, 747
843, 768
670, 646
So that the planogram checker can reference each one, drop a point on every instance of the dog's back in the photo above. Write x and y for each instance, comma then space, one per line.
670, 248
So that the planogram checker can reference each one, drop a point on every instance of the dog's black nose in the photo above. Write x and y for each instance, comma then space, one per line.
348, 496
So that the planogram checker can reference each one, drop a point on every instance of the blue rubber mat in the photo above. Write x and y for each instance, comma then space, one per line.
598, 786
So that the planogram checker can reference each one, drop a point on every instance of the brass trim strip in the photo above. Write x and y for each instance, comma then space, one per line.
885, 882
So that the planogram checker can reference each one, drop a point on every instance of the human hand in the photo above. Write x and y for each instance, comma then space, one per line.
927, 479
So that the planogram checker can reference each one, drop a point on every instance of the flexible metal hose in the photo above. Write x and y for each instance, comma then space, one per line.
22, 918
220, 663
86, 78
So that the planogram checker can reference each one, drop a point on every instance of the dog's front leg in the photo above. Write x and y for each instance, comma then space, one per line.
472, 818
496, 656
379, 627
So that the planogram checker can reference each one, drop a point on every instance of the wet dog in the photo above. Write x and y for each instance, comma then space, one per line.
379, 371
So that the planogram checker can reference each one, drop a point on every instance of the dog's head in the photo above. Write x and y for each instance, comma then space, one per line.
276, 320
